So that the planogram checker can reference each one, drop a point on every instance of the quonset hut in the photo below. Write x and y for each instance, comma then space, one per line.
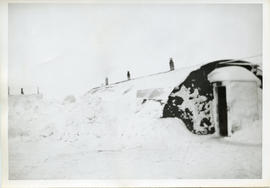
200, 100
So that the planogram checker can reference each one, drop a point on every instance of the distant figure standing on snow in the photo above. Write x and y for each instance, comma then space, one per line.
22, 91
128, 75
106, 81
171, 64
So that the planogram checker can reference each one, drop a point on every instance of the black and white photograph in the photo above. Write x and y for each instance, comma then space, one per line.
102, 91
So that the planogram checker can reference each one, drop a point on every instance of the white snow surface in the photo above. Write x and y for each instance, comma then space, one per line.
232, 73
109, 133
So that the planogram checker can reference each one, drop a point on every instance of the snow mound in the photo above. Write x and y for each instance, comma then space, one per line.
113, 116
117, 131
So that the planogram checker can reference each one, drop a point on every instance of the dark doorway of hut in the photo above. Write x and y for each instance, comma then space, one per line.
222, 110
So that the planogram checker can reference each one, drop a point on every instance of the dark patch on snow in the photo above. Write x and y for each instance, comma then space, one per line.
69, 99
198, 81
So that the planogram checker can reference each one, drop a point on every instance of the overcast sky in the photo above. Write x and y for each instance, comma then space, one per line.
69, 48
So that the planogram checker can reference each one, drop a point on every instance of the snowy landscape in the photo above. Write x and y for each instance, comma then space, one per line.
134, 91
109, 133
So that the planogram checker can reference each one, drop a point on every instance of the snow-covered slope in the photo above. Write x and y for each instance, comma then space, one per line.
105, 112
113, 132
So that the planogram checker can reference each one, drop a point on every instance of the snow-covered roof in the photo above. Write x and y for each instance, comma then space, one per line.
232, 73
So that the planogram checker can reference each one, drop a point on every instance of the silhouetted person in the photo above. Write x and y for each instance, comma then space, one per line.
22, 91
171, 64
128, 75
106, 81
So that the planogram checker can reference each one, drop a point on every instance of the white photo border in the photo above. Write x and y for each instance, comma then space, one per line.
6, 183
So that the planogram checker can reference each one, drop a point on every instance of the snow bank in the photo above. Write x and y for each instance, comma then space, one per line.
117, 131
108, 116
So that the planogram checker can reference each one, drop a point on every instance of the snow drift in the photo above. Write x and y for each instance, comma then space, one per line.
117, 131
